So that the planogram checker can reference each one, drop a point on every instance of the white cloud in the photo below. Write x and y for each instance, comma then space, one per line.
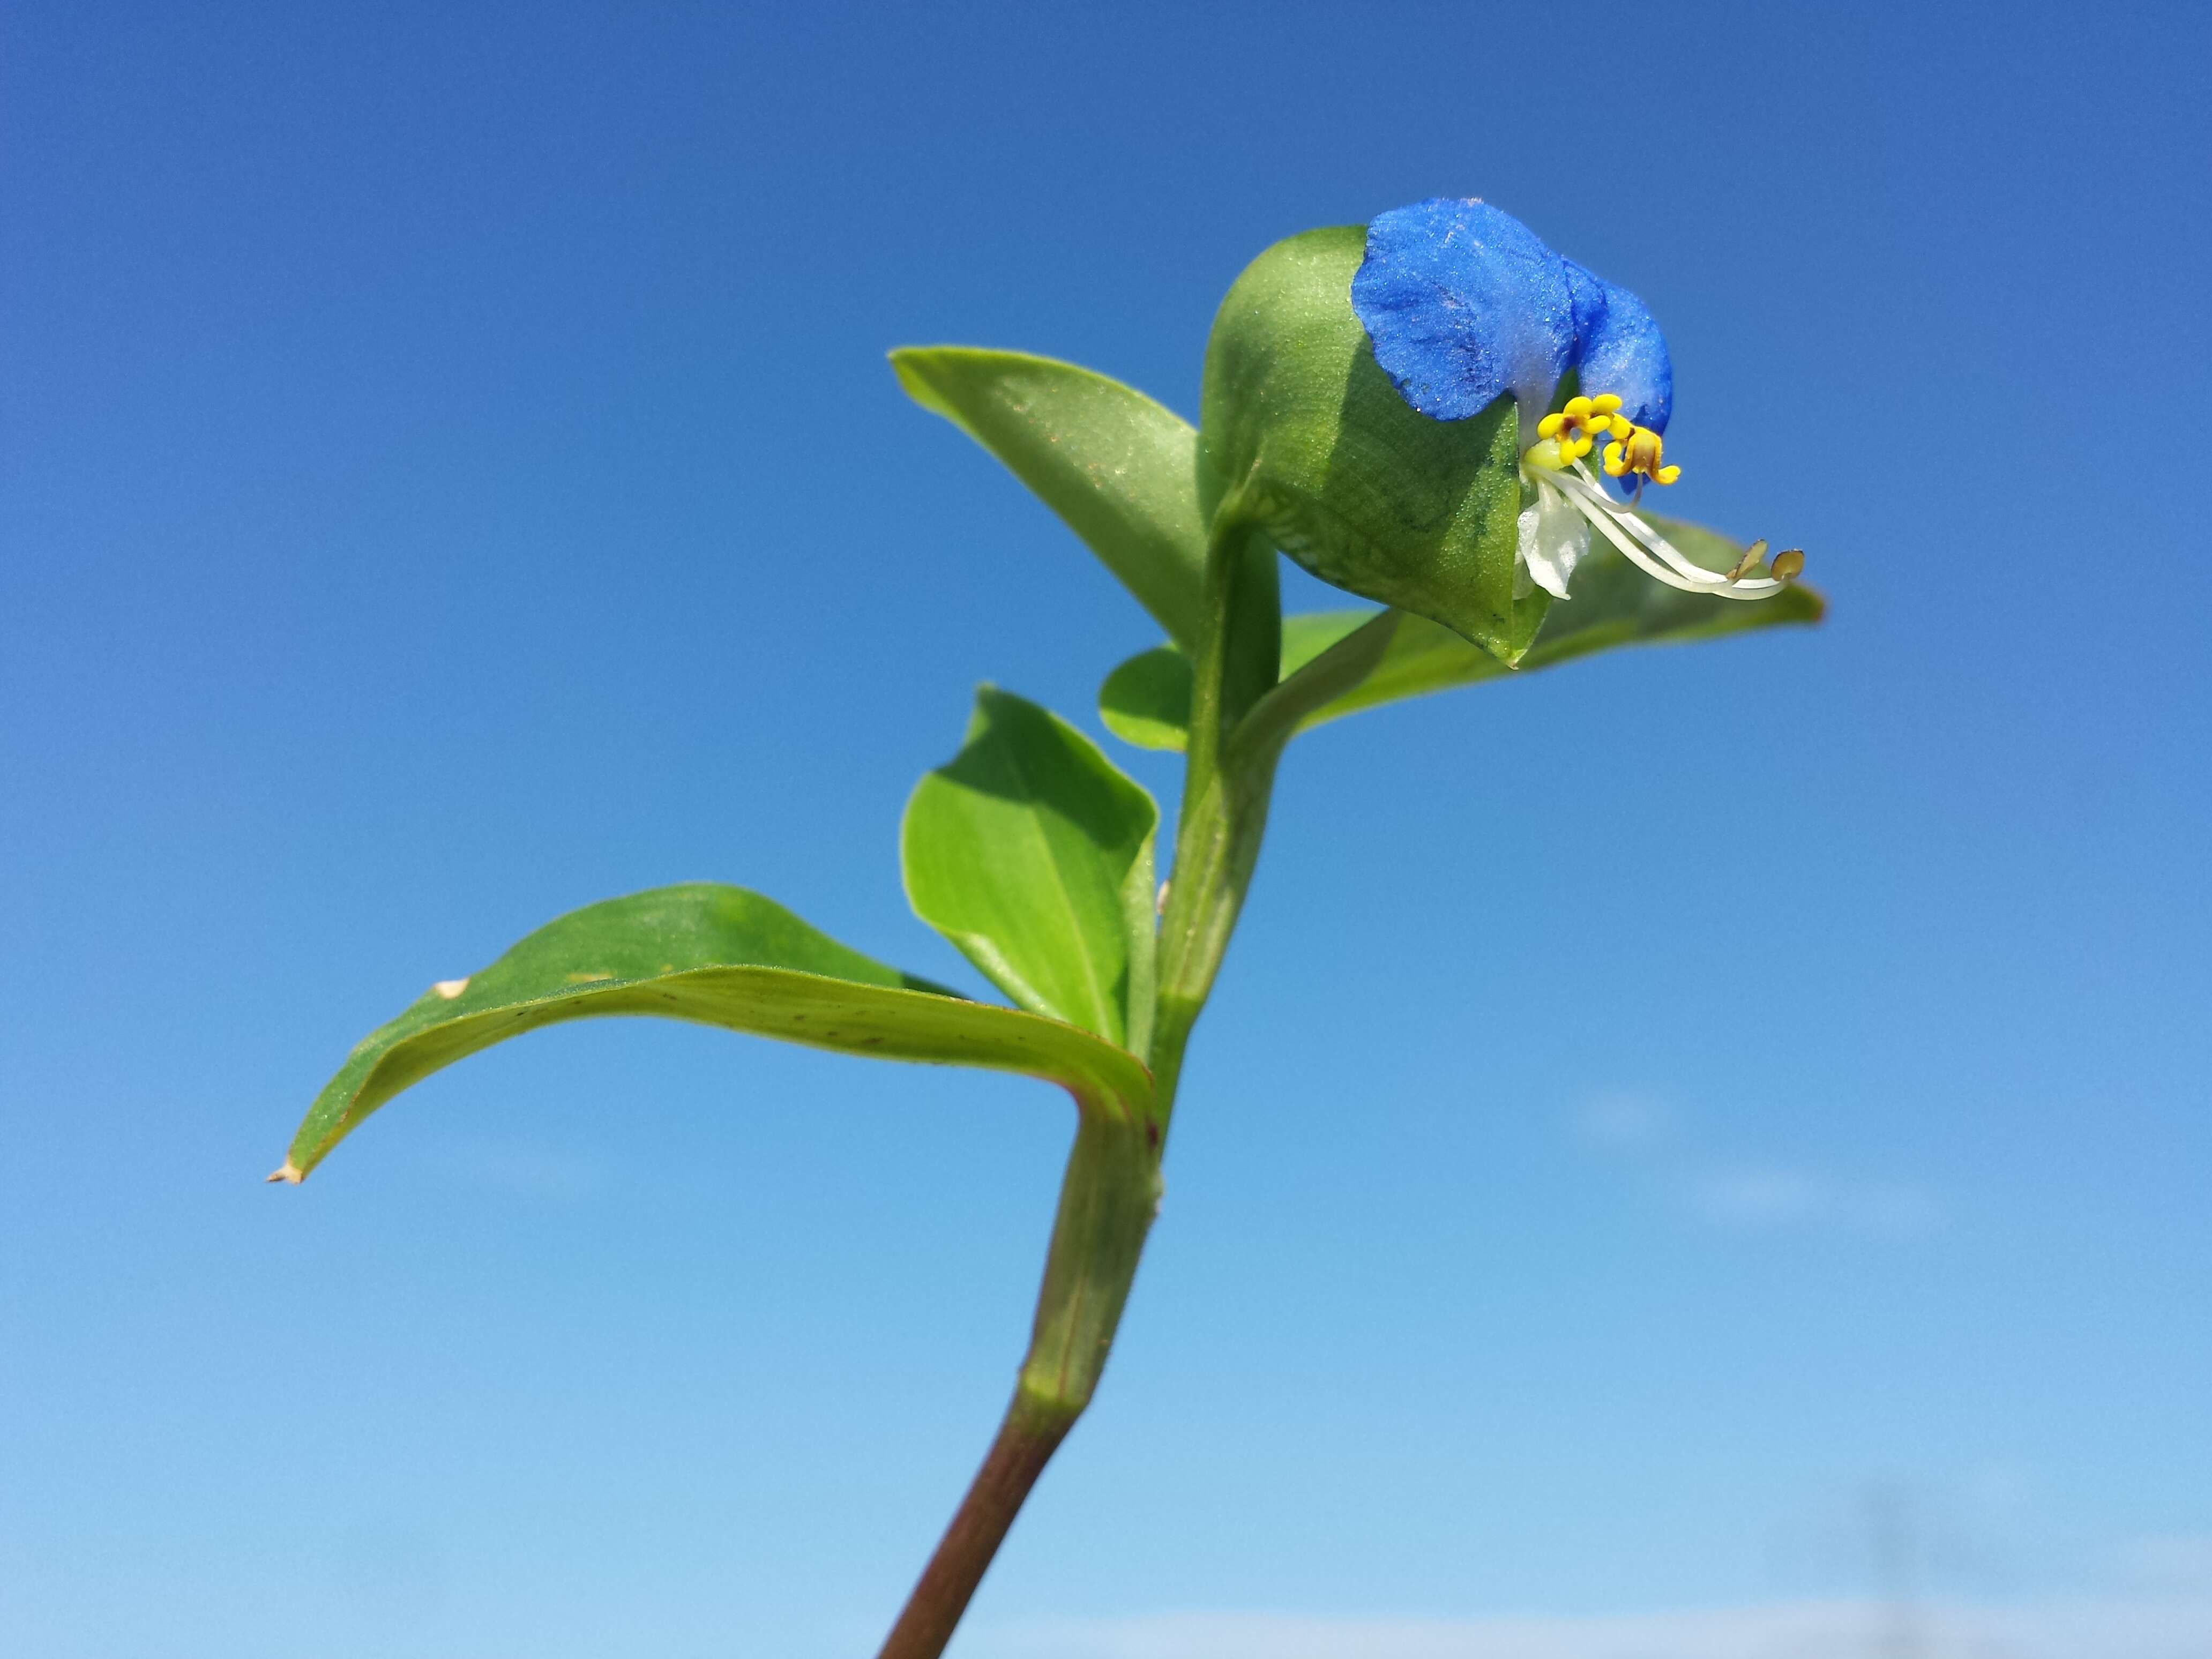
1624, 1123
1756, 1198
2173, 1563
2145, 1628
1643, 1133
1769, 1197
522, 1168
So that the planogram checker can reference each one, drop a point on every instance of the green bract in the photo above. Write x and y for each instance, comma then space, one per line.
1344, 474
1031, 851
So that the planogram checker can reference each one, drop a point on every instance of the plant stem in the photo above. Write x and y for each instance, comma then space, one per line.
1112, 1188
1016, 1458
1224, 804
1107, 1202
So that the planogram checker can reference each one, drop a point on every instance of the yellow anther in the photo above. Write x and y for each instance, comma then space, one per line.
1638, 451
1548, 454
1575, 426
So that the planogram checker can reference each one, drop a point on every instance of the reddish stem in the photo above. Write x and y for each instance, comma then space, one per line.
1026, 1441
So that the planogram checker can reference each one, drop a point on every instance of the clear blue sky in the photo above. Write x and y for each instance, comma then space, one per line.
448, 474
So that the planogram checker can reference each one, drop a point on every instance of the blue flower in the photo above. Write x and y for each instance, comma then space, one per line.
1462, 303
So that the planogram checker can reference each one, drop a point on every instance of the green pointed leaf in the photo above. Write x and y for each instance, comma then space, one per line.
720, 956
1032, 852
1146, 701
1344, 474
1125, 474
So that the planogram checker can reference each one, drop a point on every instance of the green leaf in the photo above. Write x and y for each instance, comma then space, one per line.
1347, 477
1033, 854
1613, 604
1146, 701
1125, 474
720, 956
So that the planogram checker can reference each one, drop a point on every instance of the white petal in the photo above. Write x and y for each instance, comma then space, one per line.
1553, 539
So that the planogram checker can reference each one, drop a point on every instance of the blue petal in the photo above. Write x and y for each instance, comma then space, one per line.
1463, 301
1620, 348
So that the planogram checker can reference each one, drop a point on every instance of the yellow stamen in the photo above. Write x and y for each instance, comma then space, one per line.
1578, 426
1638, 451
1789, 564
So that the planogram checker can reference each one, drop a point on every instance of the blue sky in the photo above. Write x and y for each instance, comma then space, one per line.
1668, 1125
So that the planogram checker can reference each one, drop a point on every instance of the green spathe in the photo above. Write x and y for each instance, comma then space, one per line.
1321, 451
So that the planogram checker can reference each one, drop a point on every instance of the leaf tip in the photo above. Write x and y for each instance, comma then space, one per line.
909, 364
289, 1173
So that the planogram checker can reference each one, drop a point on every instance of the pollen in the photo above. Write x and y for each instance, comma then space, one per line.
1576, 428
1638, 452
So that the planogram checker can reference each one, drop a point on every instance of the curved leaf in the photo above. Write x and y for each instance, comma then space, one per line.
1124, 473
1033, 854
1146, 699
720, 956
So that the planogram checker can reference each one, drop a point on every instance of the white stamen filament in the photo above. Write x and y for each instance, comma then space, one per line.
1645, 547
